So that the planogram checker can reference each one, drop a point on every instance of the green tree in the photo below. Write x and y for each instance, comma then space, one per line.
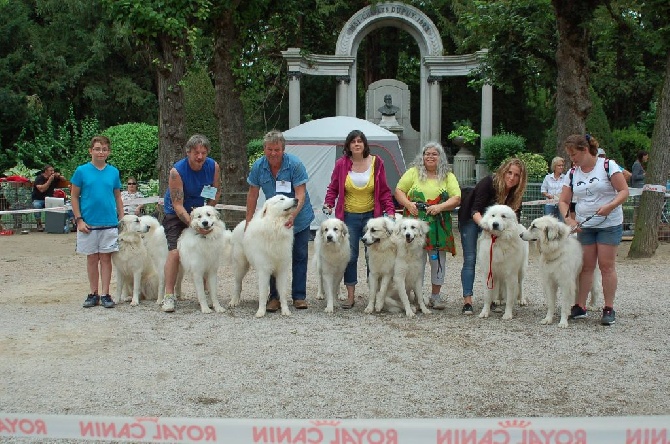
168, 32
645, 241
199, 103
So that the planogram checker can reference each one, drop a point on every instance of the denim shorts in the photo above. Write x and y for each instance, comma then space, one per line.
607, 236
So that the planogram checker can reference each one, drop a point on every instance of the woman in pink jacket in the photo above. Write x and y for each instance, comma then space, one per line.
358, 183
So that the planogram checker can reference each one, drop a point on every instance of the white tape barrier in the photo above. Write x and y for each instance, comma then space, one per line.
607, 430
140, 201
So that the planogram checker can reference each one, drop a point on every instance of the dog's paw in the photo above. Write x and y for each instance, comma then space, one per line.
369, 309
285, 312
341, 297
220, 309
546, 321
410, 314
319, 296
507, 316
563, 323
329, 309
260, 313
523, 302
134, 303
484, 314
205, 309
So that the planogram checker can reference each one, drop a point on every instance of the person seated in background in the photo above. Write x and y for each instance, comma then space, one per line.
43, 187
129, 194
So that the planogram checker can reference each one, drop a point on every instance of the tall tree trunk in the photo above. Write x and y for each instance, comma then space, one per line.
572, 83
230, 115
171, 113
645, 241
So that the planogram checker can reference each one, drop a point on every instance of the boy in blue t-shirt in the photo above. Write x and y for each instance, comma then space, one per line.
97, 208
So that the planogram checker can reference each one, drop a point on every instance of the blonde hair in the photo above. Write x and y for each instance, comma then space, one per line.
517, 191
554, 161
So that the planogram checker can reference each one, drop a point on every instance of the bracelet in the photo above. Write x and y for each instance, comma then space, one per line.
78, 218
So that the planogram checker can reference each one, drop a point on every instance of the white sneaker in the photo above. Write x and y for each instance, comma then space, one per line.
168, 303
438, 303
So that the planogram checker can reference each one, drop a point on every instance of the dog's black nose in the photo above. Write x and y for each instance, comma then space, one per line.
495, 225
329, 237
205, 223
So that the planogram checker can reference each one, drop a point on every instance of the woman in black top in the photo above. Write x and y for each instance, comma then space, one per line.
506, 187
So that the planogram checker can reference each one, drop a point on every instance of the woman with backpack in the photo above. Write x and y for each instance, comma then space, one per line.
599, 189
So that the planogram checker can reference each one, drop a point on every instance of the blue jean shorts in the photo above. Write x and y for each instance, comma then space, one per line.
607, 236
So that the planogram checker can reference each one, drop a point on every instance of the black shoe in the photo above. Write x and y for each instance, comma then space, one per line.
91, 301
106, 301
577, 312
467, 309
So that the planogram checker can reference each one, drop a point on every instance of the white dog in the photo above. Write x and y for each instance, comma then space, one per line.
560, 264
156, 244
504, 257
134, 268
266, 244
331, 256
382, 251
201, 247
410, 239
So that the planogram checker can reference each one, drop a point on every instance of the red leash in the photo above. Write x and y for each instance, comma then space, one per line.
490, 276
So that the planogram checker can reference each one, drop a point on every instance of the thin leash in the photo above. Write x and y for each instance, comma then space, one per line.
489, 278
580, 224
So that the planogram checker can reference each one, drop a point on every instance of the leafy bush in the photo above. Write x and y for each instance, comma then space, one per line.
254, 150
630, 141
501, 146
134, 149
63, 146
536, 166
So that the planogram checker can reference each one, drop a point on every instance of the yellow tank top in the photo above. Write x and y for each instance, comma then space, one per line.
360, 199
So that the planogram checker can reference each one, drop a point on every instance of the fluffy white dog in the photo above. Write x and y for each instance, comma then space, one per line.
382, 251
561, 263
156, 244
410, 239
503, 256
331, 256
135, 270
201, 247
267, 245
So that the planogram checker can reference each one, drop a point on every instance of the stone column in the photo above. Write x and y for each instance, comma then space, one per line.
294, 98
341, 108
435, 94
487, 129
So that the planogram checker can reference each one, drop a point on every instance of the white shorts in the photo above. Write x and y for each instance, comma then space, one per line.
98, 241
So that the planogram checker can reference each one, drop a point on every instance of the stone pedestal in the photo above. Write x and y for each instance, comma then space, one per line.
464, 164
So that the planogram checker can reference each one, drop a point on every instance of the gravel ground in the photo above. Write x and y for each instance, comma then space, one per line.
59, 358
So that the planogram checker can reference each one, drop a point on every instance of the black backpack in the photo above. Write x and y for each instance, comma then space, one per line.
607, 170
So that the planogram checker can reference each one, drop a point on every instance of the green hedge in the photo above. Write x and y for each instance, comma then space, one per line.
501, 146
134, 149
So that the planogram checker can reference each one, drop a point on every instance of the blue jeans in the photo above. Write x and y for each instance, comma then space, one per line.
469, 234
38, 204
552, 210
355, 222
299, 260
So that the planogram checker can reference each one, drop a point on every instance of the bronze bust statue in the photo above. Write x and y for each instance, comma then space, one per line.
388, 109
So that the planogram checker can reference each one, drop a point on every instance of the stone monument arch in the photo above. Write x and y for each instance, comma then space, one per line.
342, 65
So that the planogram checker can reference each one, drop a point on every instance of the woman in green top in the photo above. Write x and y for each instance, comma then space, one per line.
430, 191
